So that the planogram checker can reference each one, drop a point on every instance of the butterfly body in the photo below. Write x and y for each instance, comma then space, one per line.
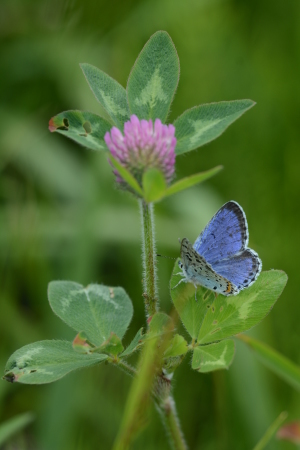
220, 259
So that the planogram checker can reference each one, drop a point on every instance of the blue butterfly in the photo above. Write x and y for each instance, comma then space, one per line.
220, 259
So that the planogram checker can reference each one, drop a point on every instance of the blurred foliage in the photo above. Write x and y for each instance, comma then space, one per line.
62, 218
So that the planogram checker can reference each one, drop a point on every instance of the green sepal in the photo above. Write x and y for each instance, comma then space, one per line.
112, 346
211, 318
207, 358
188, 182
95, 309
127, 176
154, 78
154, 185
135, 344
46, 361
202, 124
85, 128
109, 93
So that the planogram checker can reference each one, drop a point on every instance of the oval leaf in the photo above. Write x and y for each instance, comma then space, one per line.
154, 185
207, 358
154, 78
109, 93
85, 128
46, 361
211, 319
202, 124
96, 309
188, 182
191, 312
228, 316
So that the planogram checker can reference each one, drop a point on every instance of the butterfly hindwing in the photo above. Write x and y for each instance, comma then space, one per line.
220, 259
197, 271
241, 269
225, 235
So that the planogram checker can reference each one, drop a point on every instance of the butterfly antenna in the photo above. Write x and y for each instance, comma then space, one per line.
163, 256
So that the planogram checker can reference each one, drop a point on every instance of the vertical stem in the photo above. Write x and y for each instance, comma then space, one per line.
172, 425
149, 258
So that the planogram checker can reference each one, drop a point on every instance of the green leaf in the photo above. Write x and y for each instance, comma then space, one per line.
113, 346
228, 316
46, 361
11, 427
188, 182
109, 93
202, 124
96, 309
263, 442
207, 358
191, 312
211, 319
154, 185
177, 347
160, 324
154, 78
83, 127
126, 175
135, 344
287, 370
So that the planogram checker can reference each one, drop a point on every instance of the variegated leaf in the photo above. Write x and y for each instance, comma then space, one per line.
85, 128
207, 358
202, 124
95, 309
153, 79
109, 93
211, 318
46, 361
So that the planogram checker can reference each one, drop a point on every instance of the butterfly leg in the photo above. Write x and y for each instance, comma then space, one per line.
195, 292
183, 280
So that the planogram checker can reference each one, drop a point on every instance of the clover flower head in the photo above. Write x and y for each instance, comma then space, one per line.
143, 146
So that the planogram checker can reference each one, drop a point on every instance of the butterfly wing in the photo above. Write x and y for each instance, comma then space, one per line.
241, 269
225, 235
197, 271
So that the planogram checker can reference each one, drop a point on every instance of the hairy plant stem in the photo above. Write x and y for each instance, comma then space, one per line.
167, 410
149, 259
162, 386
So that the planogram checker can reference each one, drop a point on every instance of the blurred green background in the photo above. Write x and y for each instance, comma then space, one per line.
62, 218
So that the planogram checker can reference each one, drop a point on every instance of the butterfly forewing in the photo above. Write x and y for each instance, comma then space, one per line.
219, 259
196, 270
225, 235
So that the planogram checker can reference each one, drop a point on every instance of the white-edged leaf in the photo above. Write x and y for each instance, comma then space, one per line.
207, 358
46, 361
95, 309
202, 124
109, 93
153, 79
